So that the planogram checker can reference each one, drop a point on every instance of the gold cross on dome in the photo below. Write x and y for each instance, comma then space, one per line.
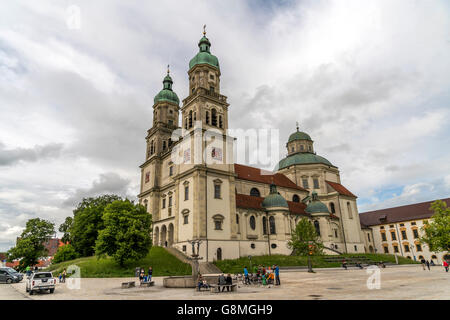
296, 123
204, 30
168, 68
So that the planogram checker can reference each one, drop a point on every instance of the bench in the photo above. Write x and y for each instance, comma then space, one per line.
218, 288
202, 288
130, 284
147, 284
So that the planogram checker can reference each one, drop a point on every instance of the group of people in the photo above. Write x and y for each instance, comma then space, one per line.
141, 274
62, 276
260, 274
29, 270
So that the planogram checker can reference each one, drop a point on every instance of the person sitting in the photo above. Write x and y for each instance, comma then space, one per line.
344, 264
228, 282
357, 264
205, 284
222, 281
199, 281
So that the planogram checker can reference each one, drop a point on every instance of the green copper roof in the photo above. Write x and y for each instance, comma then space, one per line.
274, 199
167, 94
204, 55
301, 158
316, 206
299, 136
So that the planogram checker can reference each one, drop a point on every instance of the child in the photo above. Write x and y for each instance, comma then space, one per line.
60, 277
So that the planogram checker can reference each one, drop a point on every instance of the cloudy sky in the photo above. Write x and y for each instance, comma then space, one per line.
368, 80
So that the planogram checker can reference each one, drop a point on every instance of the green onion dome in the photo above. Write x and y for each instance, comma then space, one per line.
299, 136
274, 199
167, 94
204, 56
316, 206
301, 158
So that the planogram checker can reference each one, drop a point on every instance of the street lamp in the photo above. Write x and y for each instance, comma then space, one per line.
412, 250
310, 252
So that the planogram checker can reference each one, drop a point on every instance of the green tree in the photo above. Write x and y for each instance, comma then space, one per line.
30, 245
126, 235
87, 222
65, 228
303, 236
437, 232
65, 253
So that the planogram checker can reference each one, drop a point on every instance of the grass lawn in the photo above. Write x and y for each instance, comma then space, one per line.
237, 265
162, 262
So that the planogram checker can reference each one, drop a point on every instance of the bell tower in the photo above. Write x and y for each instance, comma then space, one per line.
205, 103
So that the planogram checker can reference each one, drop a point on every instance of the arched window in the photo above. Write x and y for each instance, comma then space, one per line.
207, 117
186, 123
349, 209
295, 198
255, 192
214, 117
264, 223
195, 116
220, 122
164, 145
252, 222
190, 119
237, 218
332, 208
317, 226
272, 225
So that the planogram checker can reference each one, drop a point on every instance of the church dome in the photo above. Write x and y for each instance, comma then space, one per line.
299, 136
204, 56
316, 206
167, 94
301, 158
274, 199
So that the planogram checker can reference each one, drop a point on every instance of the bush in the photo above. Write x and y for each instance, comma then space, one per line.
65, 253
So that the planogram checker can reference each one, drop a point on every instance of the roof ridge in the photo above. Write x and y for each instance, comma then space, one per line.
406, 205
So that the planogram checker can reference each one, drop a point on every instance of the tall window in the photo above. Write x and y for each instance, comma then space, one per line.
317, 226
332, 208
302, 147
170, 170
207, 117
368, 237
272, 225
393, 236
255, 192
416, 233
214, 117
164, 145
186, 193
264, 223
185, 219
396, 249
252, 222
190, 119
418, 247
404, 237
163, 203
237, 218
386, 250
145, 204
295, 198
170, 201
305, 183
220, 122
316, 183
406, 248
217, 191
349, 209
383, 236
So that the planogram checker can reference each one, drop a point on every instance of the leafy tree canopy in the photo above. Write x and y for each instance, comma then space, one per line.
65, 228
303, 236
30, 245
126, 235
65, 253
437, 232
87, 222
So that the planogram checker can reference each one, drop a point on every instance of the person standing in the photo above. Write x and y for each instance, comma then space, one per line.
228, 281
222, 281
277, 275
150, 273
247, 280
64, 275
428, 265
445, 264
422, 261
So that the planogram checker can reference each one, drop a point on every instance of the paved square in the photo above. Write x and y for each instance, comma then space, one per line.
397, 282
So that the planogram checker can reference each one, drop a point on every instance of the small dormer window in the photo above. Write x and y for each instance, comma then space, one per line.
302, 148
211, 76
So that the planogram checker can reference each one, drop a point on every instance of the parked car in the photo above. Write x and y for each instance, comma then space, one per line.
9, 275
40, 281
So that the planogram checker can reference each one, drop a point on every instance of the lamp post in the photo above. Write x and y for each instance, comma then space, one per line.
412, 250
310, 252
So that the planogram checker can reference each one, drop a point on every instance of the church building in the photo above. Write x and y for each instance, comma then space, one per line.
234, 209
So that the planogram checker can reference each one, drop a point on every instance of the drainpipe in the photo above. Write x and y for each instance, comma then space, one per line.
398, 237
268, 231
342, 225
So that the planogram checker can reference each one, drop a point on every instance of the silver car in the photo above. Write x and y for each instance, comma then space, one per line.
40, 281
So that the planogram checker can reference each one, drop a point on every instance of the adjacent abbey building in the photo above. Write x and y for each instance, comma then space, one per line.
236, 210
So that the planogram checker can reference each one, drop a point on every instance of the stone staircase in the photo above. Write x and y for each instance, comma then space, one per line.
204, 267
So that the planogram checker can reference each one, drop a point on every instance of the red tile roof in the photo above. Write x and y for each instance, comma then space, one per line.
398, 214
251, 202
340, 189
255, 174
52, 246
